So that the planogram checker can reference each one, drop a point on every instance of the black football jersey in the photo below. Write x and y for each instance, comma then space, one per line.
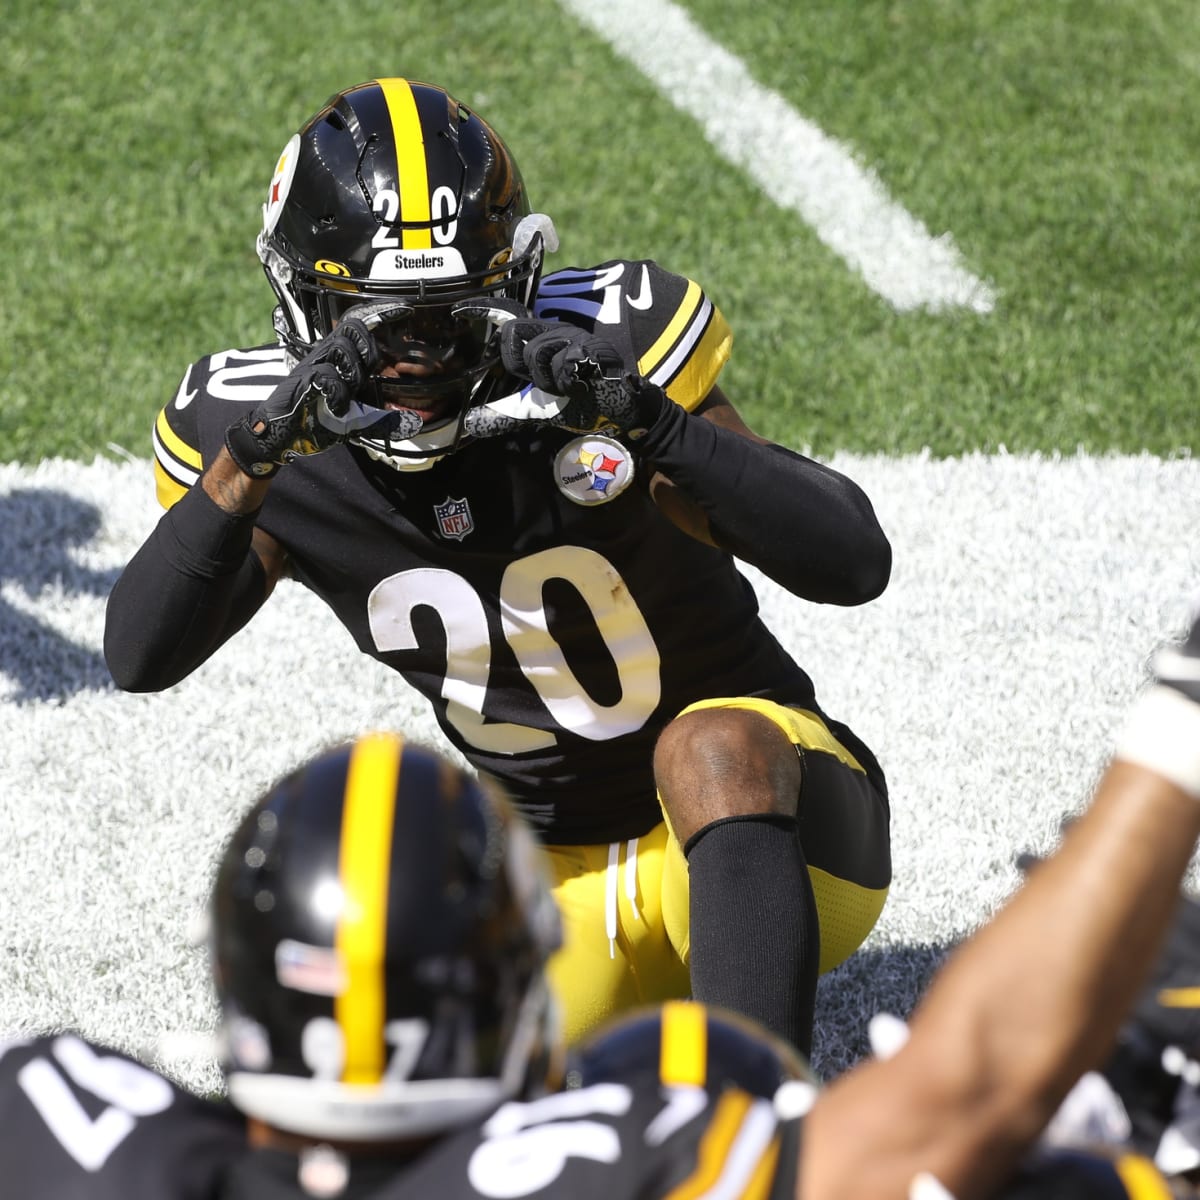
79, 1122
632, 1141
554, 638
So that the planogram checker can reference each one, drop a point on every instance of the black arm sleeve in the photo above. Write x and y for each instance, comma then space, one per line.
193, 584
807, 527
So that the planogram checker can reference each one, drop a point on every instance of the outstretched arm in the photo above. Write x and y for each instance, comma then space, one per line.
1036, 997
806, 526
206, 569
196, 580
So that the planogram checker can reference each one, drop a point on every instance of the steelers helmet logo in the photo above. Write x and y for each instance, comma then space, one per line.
593, 469
281, 183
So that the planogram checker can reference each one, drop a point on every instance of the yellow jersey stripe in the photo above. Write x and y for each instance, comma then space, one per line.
169, 491
670, 335
172, 478
410, 162
1141, 1178
689, 384
759, 1187
175, 444
714, 1146
683, 1044
364, 865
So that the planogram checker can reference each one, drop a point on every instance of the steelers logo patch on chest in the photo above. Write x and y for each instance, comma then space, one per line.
593, 469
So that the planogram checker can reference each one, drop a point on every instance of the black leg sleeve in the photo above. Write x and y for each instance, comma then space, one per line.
808, 527
193, 584
755, 936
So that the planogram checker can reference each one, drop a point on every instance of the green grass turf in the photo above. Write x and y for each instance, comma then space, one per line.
1058, 145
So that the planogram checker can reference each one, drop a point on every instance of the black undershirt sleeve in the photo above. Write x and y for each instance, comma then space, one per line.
193, 584
809, 528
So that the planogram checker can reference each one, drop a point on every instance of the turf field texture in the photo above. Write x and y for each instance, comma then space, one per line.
834, 174
958, 247
989, 678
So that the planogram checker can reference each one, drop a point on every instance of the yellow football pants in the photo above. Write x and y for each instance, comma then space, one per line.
625, 905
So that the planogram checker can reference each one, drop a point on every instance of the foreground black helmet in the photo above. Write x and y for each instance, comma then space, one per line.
397, 191
692, 1045
380, 924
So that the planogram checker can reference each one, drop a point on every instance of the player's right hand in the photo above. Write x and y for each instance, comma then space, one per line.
305, 413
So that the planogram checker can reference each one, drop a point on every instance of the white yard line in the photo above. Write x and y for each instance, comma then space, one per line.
790, 158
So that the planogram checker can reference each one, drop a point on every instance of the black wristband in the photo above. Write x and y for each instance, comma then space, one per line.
653, 413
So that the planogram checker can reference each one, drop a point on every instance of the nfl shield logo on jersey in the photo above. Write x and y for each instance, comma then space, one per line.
454, 518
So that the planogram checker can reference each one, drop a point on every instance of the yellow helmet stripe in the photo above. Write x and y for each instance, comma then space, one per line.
683, 1044
1180, 997
410, 162
1142, 1179
364, 868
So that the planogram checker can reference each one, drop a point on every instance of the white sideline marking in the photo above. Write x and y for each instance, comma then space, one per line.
789, 157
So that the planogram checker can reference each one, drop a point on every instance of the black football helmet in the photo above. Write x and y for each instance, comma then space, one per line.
687, 1044
380, 924
395, 191
1088, 1173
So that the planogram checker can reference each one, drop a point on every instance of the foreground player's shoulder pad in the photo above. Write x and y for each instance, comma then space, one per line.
662, 322
212, 394
1087, 1173
1168, 1008
80, 1119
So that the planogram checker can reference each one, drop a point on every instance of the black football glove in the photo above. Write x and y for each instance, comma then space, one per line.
311, 409
587, 370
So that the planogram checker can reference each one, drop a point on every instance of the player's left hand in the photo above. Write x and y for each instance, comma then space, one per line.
557, 357
586, 369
